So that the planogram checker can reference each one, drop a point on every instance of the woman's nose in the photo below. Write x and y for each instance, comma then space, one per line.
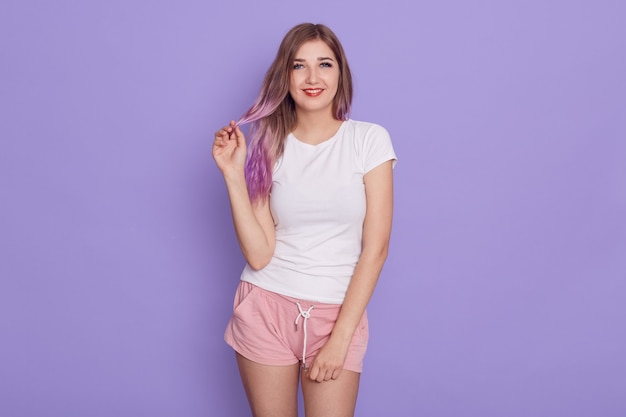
311, 76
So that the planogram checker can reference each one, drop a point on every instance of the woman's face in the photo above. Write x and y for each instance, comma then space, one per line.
314, 77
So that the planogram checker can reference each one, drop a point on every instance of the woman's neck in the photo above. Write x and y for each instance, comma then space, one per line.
313, 128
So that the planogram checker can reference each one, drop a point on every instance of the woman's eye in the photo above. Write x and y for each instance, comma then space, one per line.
326, 65
298, 66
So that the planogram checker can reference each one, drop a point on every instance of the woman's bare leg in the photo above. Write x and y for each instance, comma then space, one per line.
272, 390
334, 398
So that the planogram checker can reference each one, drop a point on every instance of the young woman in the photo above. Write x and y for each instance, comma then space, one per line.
311, 201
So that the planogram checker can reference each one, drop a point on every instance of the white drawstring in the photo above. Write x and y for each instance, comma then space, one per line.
305, 315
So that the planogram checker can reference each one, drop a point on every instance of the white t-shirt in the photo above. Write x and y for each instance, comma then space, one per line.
318, 205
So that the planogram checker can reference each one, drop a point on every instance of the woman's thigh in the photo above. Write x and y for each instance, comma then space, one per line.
334, 398
272, 391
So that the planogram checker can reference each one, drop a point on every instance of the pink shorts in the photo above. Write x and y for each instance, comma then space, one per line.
271, 329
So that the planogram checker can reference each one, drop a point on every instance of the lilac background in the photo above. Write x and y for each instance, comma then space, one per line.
505, 288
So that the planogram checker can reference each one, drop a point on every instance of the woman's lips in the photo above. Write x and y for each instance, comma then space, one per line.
313, 92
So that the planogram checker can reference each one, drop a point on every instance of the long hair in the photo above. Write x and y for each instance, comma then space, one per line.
273, 114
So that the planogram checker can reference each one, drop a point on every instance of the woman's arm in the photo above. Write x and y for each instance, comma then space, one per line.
253, 223
376, 232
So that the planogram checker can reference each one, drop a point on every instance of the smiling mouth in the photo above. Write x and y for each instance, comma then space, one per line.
313, 92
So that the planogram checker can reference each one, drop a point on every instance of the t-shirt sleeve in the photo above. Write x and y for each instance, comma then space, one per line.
377, 148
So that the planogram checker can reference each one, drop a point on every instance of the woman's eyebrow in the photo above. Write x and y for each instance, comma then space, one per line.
322, 58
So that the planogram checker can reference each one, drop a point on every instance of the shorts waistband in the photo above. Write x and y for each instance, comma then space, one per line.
291, 301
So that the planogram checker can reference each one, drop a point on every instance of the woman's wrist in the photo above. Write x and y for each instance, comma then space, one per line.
342, 335
234, 176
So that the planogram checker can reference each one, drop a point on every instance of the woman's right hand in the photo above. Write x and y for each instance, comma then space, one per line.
254, 224
229, 149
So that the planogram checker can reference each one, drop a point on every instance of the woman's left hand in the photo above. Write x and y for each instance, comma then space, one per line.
328, 363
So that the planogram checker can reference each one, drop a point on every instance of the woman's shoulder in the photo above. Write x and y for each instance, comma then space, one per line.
361, 130
362, 126
372, 143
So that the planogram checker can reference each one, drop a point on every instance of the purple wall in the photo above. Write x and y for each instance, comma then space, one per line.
505, 290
